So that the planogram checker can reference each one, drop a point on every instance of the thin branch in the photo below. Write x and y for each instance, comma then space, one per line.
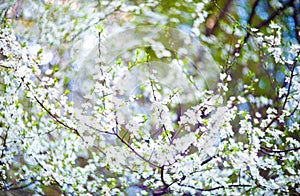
252, 14
21, 187
264, 23
103, 82
1, 65
281, 111
223, 11
135, 152
294, 110
276, 13
93, 24
215, 188
290, 82
166, 132
100, 131
208, 160
54, 179
56, 118
279, 151
4, 147
162, 176
287, 95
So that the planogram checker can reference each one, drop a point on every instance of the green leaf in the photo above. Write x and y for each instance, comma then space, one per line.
99, 28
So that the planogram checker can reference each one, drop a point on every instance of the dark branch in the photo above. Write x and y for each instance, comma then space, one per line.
208, 159
210, 31
264, 23
279, 151
21, 187
135, 152
252, 14
218, 187
287, 95
276, 13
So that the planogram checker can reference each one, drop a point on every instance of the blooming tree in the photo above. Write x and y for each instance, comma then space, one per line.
149, 97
